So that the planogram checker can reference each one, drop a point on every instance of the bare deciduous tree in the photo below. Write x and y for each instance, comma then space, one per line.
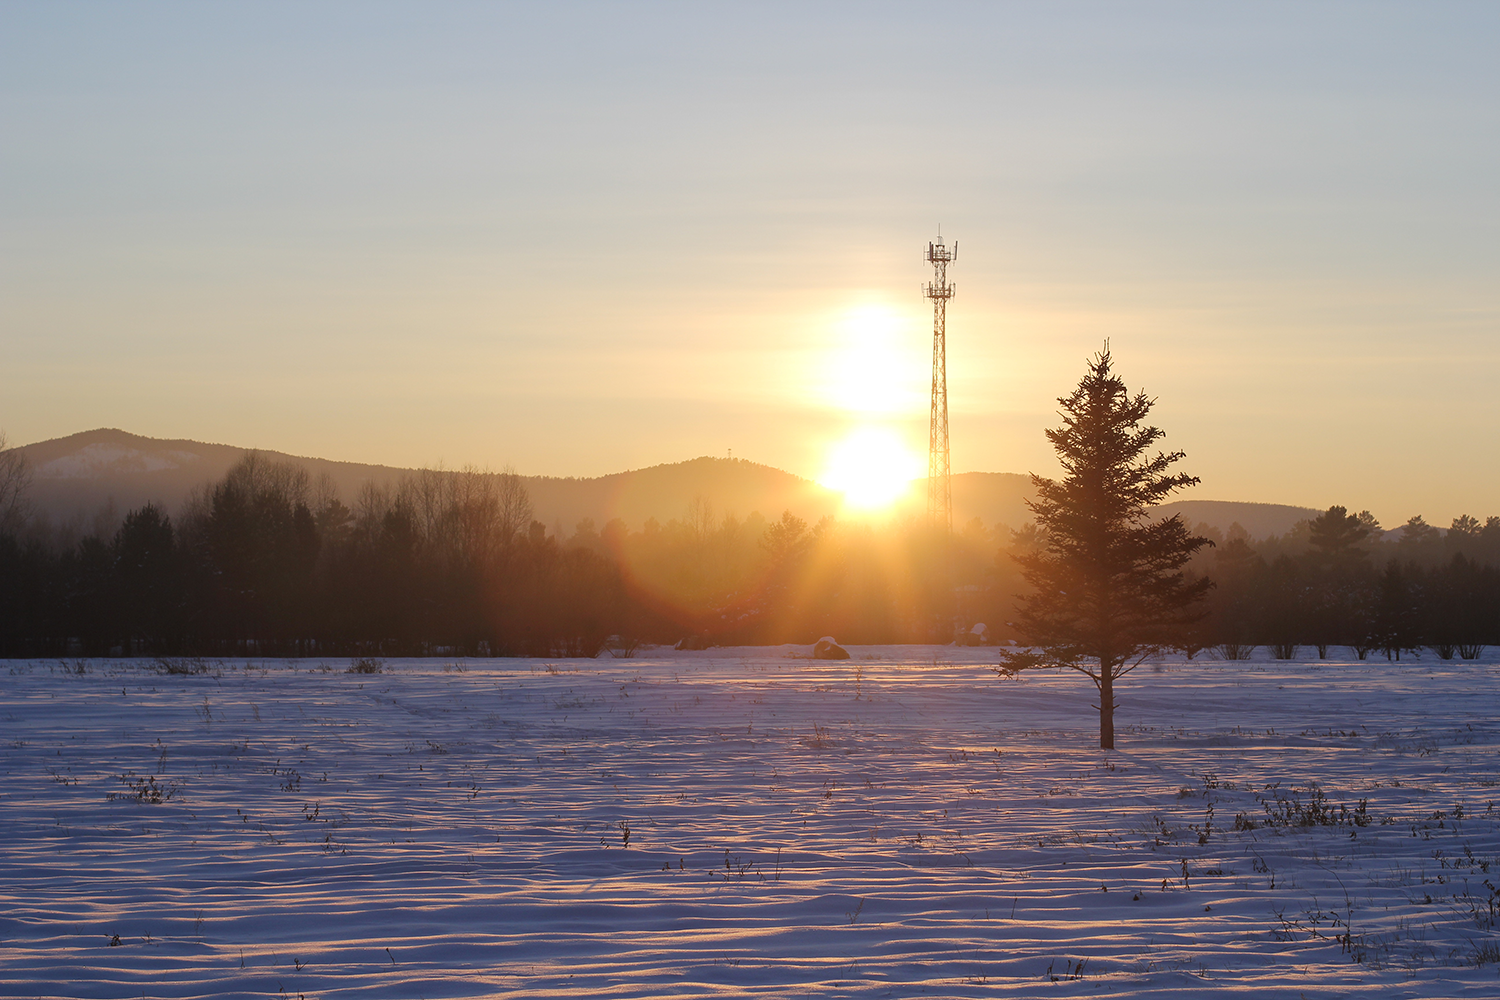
699, 519
15, 479
515, 505
464, 517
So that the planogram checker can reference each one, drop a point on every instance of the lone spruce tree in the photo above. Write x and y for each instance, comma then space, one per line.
1109, 586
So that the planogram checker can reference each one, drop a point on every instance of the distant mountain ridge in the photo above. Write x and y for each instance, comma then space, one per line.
77, 477
1258, 519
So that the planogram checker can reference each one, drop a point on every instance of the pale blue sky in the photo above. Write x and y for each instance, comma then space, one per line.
581, 238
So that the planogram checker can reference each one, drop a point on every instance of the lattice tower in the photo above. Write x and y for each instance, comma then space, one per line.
939, 474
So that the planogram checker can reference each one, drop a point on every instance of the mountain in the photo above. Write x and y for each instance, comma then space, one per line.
101, 474
1259, 519
729, 485
94, 477
993, 497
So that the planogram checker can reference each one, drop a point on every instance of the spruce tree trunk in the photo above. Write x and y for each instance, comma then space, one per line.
1106, 706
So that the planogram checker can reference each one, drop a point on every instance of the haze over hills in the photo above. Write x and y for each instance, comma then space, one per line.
96, 476
77, 476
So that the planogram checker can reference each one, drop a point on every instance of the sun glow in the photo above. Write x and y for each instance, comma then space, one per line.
872, 467
875, 368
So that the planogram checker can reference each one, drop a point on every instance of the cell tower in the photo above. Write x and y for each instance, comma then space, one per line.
939, 484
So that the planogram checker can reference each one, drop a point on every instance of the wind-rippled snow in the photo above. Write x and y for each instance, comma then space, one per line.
904, 823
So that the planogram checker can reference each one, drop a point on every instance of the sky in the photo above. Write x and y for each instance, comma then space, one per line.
579, 238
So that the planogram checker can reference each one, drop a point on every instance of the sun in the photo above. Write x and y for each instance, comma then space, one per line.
872, 467
874, 368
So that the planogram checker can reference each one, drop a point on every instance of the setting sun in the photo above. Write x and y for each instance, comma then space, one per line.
872, 467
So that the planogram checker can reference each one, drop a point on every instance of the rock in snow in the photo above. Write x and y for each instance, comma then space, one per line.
826, 649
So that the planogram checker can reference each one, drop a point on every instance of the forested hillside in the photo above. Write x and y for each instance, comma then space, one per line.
266, 559
86, 483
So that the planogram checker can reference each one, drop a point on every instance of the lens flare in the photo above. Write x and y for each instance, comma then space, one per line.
872, 467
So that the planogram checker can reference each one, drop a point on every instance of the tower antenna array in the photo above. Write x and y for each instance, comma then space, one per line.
939, 484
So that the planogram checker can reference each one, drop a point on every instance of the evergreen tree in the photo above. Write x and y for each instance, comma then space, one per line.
1235, 612
1463, 536
1340, 578
1420, 542
148, 579
1396, 619
1109, 585
1335, 537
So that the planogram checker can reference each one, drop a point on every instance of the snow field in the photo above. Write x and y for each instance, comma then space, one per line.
745, 823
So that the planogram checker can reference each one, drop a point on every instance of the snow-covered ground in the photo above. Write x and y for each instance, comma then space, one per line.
741, 822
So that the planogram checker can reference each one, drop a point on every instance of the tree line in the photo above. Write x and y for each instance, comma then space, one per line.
267, 561
1336, 580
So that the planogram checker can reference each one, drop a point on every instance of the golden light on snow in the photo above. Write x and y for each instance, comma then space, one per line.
872, 466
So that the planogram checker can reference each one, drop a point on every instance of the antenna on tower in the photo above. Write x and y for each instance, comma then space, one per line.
939, 473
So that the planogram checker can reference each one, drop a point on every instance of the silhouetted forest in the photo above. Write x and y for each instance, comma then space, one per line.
1339, 580
268, 562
